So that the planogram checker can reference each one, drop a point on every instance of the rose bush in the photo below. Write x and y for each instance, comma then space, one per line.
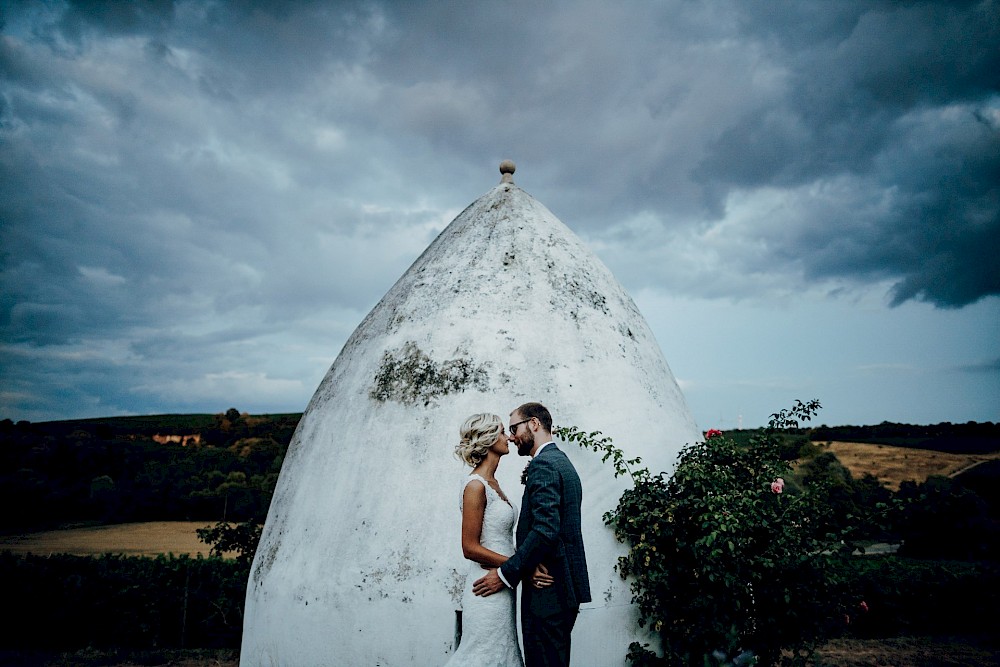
728, 563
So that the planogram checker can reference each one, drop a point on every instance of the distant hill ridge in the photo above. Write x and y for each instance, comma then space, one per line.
967, 438
129, 469
964, 438
148, 425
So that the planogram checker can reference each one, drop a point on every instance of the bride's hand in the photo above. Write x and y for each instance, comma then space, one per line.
541, 578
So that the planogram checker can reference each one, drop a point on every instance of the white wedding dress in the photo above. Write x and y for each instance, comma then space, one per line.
489, 624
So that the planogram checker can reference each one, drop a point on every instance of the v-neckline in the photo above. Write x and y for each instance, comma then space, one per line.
496, 489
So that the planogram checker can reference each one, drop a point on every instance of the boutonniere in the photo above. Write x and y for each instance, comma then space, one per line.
524, 474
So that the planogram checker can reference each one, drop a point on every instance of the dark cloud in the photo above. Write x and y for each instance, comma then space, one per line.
902, 98
990, 367
116, 18
932, 220
848, 86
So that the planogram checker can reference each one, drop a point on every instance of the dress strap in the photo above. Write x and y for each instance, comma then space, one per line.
473, 478
480, 479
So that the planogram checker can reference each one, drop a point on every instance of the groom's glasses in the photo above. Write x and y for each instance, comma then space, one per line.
513, 427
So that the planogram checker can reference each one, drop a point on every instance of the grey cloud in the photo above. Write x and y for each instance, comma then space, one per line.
848, 88
903, 97
137, 16
937, 223
62, 385
186, 177
991, 367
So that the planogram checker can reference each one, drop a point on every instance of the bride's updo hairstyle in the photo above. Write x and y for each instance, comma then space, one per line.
479, 433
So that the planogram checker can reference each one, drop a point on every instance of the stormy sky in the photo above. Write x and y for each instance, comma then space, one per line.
200, 201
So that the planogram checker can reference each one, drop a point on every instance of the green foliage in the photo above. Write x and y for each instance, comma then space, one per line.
70, 602
793, 443
241, 538
968, 438
909, 596
942, 518
724, 557
59, 473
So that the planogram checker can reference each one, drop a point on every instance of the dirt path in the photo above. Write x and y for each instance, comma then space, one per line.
909, 652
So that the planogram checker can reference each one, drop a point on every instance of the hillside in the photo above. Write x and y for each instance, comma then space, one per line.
892, 465
201, 467
967, 438
148, 425
139, 469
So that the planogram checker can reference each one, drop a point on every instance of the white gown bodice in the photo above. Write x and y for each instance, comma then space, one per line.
498, 519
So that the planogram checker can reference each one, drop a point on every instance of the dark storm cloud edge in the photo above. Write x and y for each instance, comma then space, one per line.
901, 98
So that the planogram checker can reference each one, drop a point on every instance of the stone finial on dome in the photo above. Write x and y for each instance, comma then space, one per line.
507, 171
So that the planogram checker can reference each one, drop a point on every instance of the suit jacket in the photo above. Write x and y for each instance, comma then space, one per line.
548, 529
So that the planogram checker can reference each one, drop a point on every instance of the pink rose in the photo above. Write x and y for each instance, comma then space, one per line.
777, 485
712, 433
863, 606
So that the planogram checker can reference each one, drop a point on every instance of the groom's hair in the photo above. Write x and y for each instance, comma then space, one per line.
539, 411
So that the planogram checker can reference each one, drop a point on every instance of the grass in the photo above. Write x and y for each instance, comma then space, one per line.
897, 652
911, 652
122, 658
132, 539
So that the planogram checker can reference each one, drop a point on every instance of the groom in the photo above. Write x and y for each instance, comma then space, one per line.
548, 534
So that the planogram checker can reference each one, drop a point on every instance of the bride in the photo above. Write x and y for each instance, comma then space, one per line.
489, 626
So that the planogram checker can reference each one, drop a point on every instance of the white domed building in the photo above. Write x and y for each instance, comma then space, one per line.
360, 562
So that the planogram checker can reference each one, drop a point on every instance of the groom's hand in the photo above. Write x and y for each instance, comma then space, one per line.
488, 584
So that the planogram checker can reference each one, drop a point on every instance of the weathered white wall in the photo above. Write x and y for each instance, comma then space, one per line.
360, 562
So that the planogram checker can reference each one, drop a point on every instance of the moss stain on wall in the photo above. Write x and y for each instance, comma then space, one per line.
408, 375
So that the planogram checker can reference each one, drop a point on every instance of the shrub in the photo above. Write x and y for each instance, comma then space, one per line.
69, 602
912, 596
945, 519
728, 563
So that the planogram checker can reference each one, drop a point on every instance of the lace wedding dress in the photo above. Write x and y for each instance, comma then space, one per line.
489, 625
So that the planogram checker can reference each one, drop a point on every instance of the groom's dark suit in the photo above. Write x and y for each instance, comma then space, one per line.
548, 532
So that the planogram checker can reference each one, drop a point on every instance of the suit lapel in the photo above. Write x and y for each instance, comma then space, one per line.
524, 518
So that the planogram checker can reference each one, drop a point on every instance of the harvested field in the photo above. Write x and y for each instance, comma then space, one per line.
893, 465
132, 539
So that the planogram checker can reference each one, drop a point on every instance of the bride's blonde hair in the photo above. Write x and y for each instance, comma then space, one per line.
478, 433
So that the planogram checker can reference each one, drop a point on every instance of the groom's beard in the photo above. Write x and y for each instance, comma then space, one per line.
524, 446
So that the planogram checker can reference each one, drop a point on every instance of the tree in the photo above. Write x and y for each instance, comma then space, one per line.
241, 538
103, 494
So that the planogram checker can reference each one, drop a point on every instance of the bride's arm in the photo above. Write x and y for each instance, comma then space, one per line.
473, 508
